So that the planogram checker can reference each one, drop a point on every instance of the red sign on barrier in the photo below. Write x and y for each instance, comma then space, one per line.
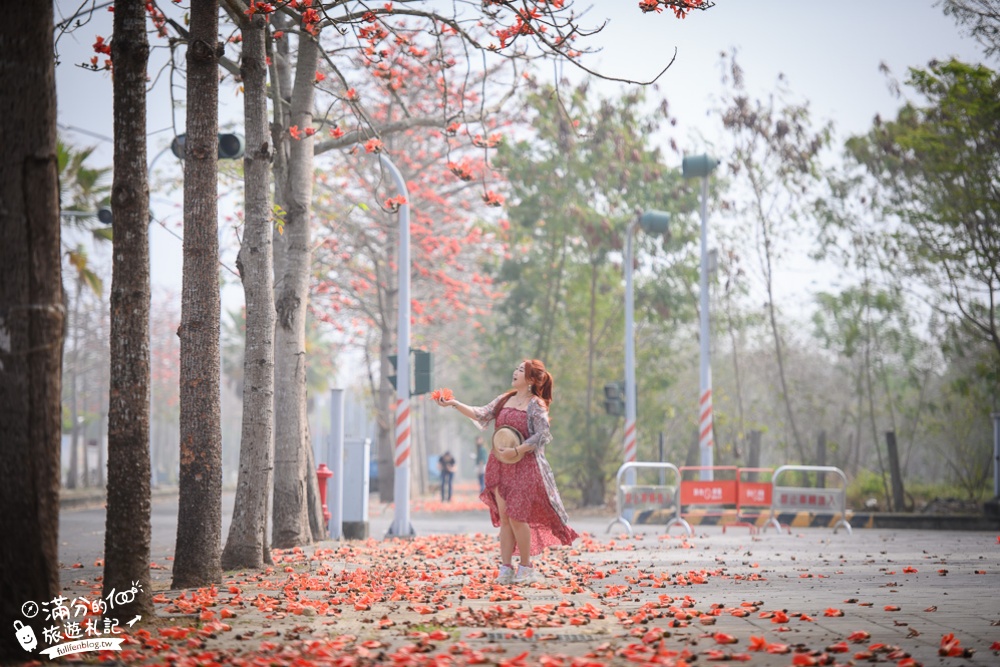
755, 494
809, 500
647, 496
713, 492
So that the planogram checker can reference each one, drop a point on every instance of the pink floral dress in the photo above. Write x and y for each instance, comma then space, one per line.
527, 487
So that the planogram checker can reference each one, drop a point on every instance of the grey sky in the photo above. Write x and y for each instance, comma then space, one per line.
829, 52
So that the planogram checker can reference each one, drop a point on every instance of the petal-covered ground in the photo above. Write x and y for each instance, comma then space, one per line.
813, 598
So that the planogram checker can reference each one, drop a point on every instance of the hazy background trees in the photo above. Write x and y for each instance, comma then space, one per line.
576, 182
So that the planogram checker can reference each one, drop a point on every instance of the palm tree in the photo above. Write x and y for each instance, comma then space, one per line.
82, 190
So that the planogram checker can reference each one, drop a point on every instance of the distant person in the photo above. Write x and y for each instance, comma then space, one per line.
520, 486
446, 464
481, 455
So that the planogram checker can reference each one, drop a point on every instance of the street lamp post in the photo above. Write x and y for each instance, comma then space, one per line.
401, 485
656, 222
700, 166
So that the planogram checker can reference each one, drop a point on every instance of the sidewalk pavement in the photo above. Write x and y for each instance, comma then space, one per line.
894, 597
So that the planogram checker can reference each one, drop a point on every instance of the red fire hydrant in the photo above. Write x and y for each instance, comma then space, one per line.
322, 474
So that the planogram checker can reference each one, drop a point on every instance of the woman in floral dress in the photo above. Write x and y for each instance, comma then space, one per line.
522, 496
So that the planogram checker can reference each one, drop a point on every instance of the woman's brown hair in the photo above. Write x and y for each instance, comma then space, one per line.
539, 379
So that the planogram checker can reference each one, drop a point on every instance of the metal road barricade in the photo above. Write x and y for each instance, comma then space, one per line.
702, 500
808, 499
647, 496
753, 495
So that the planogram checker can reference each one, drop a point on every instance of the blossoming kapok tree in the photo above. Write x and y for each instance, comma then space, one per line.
354, 43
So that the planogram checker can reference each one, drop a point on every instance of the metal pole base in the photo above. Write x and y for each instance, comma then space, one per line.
355, 530
410, 533
623, 521
678, 521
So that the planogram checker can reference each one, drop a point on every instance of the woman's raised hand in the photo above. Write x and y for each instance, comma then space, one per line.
444, 397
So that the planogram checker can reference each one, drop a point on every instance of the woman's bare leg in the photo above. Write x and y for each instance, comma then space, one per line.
522, 535
506, 532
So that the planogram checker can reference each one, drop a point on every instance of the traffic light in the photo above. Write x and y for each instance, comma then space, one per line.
614, 398
392, 360
106, 216
231, 146
698, 166
655, 222
421, 365
421, 372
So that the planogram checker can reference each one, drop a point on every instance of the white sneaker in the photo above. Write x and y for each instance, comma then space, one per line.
526, 575
506, 575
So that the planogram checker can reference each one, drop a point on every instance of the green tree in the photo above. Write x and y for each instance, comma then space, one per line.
575, 187
981, 18
738, 322
938, 168
959, 427
774, 154
82, 190
871, 326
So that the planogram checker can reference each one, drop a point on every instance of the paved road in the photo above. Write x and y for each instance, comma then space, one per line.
808, 590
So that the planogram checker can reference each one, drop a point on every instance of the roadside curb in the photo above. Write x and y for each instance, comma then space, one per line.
788, 520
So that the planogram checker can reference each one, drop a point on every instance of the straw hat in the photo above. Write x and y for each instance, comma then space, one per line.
507, 437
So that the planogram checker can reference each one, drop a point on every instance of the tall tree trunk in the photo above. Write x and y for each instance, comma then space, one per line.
281, 90
859, 422
73, 477
773, 318
553, 296
247, 544
869, 385
291, 478
741, 420
127, 531
199, 522
314, 502
280, 69
32, 318
594, 485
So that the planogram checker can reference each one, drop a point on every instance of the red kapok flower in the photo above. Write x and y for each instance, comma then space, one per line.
443, 393
101, 47
393, 203
492, 199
